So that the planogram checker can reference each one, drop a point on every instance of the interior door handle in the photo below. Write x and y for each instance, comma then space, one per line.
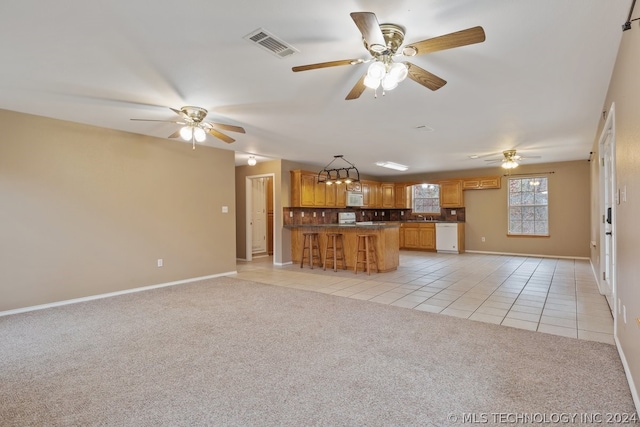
608, 233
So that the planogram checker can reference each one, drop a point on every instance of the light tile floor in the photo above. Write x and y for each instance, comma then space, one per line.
555, 296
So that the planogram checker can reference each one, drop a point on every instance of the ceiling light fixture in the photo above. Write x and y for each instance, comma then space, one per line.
509, 164
252, 161
392, 165
385, 72
345, 175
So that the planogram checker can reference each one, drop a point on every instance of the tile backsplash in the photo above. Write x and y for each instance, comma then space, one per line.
330, 215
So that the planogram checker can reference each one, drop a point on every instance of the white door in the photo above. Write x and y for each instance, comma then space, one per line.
609, 200
258, 215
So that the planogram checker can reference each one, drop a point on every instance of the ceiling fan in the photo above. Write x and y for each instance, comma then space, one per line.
194, 128
510, 159
383, 41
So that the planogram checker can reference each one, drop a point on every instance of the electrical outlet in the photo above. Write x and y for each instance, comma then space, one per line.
401, 213
323, 214
302, 214
483, 239
160, 262
453, 212
314, 214
225, 209
291, 214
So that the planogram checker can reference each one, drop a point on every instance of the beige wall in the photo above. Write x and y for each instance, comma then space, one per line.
624, 91
87, 211
486, 211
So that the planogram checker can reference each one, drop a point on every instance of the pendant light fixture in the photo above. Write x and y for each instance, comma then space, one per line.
335, 175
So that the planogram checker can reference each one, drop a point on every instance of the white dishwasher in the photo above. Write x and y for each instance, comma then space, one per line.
447, 237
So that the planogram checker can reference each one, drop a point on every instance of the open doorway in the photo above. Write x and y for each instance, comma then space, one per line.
260, 219
609, 198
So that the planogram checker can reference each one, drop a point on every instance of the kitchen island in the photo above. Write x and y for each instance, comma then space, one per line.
386, 238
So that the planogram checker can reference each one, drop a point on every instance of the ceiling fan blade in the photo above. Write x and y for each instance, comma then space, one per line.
368, 25
179, 112
226, 127
448, 41
221, 136
175, 134
425, 78
357, 89
327, 64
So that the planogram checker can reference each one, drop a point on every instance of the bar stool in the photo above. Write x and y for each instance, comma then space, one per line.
311, 246
366, 246
335, 245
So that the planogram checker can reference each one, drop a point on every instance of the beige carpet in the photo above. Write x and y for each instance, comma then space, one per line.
228, 352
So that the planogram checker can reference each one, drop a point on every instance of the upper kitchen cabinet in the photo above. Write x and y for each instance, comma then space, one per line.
307, 192
402, 196
370, 193
451, 195
387, 192
482, 183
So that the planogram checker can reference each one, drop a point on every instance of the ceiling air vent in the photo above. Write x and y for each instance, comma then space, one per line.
267, 41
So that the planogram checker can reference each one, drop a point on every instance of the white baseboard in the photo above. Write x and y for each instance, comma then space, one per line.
627, 371
529, 255
280, 264
111, 294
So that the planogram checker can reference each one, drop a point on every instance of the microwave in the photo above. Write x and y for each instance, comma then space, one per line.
355, 199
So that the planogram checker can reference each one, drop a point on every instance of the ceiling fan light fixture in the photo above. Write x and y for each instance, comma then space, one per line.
251, 161
398, 71
371, 83
376, 70
199, 134
389, 83
186, 133
509, 164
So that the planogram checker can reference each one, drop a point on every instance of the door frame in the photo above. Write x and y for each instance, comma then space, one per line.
606, 142
249, 211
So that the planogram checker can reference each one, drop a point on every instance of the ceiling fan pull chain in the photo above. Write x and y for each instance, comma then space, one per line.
193, 141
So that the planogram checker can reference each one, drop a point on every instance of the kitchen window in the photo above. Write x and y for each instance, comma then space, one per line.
528, 206
426, 198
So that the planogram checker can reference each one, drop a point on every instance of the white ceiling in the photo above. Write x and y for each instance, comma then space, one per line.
537, 84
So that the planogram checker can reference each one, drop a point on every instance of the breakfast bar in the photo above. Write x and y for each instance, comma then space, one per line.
386, 241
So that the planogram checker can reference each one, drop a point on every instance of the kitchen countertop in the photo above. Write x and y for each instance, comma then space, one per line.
374, 224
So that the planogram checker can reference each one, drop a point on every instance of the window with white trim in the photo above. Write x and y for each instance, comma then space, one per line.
426, 198
529, 206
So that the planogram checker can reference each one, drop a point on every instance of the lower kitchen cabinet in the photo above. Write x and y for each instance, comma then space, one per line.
420, 236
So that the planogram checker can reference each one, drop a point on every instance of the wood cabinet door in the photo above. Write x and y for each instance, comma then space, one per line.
330, 194
320, 193
388, 195
366, 194
307, 189
411, 238
427, 238
400, 196
451, 194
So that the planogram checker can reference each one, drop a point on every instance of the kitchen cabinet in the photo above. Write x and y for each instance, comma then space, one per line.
306, 191
387, 192
482, 183
370, 190
419, 236
402, 196
451, 195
